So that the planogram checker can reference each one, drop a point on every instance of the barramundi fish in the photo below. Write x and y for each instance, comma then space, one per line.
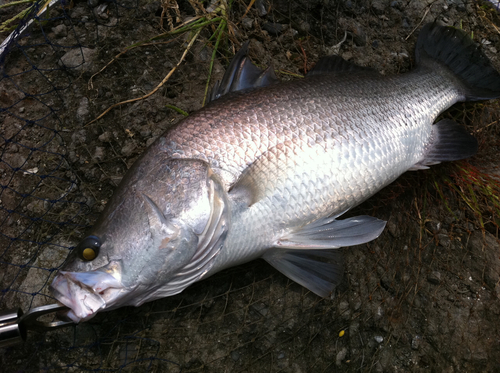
266, 170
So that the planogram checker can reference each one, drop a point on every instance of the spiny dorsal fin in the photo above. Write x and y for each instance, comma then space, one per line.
242, 74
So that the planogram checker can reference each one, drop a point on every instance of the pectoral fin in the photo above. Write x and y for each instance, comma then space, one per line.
264, 175
273, 170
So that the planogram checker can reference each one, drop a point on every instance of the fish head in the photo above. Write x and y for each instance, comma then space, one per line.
159, 233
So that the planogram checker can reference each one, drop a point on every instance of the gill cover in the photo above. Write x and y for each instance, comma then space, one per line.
200, 206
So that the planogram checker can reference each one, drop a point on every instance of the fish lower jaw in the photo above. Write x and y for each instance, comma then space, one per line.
85, 310
83, 302
83, 305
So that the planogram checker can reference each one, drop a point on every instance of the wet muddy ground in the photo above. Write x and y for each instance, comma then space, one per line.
424, 296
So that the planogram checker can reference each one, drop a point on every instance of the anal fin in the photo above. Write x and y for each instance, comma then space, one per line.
450, 142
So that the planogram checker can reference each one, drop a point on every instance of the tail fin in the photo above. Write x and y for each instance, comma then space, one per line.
453, 48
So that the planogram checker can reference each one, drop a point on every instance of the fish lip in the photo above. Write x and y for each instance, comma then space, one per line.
83, 299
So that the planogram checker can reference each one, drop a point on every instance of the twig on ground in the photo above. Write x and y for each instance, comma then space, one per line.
158, 86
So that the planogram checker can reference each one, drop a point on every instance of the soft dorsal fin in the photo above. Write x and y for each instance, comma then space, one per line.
335, 64
242, 74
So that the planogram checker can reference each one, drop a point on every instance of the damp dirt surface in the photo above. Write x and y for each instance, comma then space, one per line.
424, 296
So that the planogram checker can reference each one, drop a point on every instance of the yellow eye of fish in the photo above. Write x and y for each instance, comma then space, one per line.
88, 249
88, 254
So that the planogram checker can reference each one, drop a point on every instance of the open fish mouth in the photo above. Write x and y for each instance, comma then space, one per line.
85, 293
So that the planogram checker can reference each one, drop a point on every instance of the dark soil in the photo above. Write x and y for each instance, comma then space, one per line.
424, 296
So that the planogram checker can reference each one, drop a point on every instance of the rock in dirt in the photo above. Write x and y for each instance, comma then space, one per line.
416, 342
379, 6
60, 30
99, 153
247, 23
274, 28
261, 6
79, 59
434, 277
128, 148
83, 110
341, 356
15, 160
105, 137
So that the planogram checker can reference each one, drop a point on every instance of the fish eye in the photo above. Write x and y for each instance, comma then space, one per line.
88, 248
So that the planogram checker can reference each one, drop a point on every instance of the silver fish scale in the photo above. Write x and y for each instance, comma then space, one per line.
311, 148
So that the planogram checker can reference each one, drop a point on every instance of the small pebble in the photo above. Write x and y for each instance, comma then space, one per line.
99, 153
434, 277
101, 11
235, 355
274, 28
145, 131
60, 30
341, 356
105, 137
304, 27
261, 6
79, 59
247, 23
128, 148
83, 109
415, 342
